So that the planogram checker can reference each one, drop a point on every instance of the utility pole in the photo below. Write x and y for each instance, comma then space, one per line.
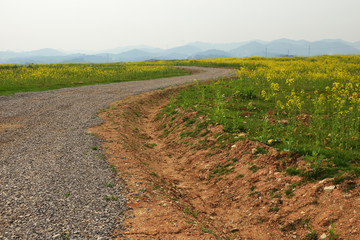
309, 51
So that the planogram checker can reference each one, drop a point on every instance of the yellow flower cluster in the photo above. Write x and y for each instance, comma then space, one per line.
326, 89
62, 74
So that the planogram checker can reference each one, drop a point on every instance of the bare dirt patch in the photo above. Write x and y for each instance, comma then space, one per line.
182, 187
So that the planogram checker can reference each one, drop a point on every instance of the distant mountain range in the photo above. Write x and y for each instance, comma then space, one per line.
195, 50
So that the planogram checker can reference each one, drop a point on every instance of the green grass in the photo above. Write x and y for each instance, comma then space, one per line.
113, 168
289, 193
310, 106
111, 197
221, 169
293, 171
109, 185
40, 77
150, 145
95, 148
254, 168
155, 175
65, 235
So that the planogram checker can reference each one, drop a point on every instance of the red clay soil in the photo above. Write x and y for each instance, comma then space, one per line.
190, 188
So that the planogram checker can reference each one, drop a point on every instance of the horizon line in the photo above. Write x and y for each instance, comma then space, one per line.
142, 46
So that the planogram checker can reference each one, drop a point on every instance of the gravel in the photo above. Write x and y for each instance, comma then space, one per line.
53, 179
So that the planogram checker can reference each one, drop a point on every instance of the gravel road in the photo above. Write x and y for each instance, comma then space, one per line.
53, 179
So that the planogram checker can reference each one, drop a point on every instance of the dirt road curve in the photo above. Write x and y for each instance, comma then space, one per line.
54, 182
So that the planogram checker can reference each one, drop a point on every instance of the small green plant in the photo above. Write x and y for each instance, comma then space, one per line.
261, 150
273, 191
273, 209
349, 186
67, 194
289, 227
113, 168
144, 163
339, 179
65, 236
95, 148
315, 162
111, 197
254, 168
332, 235
174, 199
155, 174
190, 122
205, 230
137, 114
289, 193
195, 214
293, 171
109, 185
240, 176
186, 210
156, 186
312, 235
221, 169
150, 145
254, 193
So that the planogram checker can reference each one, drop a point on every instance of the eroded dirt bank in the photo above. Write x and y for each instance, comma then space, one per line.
183, 187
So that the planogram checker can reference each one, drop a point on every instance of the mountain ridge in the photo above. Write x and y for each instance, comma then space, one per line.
275, 48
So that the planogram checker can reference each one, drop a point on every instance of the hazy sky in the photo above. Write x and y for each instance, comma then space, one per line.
106, 24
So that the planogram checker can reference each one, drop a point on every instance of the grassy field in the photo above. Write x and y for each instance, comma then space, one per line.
310, 106
40, 77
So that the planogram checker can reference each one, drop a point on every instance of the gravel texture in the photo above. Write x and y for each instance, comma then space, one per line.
53, 178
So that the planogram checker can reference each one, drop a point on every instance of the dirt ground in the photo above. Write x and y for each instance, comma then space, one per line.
185, 188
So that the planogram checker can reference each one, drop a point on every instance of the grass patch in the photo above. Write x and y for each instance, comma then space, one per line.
310, 106
111, 197
254, 168
260, 150
289, 193
205, 230
65, 236
221, 169
240, 176
113, 168
293, 171
150, 145
40, 77
155, 175
109, 185
273, 209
